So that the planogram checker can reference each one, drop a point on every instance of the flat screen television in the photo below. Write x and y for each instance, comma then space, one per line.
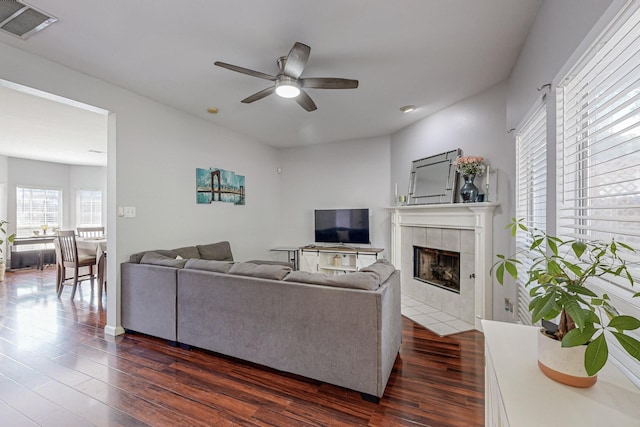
342, 226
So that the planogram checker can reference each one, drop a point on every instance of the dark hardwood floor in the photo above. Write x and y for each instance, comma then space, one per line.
57, 368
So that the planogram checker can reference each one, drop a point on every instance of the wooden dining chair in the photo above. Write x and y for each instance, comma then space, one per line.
71, 260
59, 278
91, 231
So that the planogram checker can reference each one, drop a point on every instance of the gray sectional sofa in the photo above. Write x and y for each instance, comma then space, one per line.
344, 330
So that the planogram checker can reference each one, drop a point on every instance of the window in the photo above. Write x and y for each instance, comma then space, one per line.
599, 153
531, 193
36, 208
89, 208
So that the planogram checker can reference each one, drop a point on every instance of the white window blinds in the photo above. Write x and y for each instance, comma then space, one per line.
531, 194
599, 152
89, 212
35, 208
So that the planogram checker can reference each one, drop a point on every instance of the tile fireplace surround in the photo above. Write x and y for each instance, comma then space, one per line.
462, 227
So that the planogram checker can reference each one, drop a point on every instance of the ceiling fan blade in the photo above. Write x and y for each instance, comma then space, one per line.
296, 60
328, 83
305, 101
259, 95
245, 71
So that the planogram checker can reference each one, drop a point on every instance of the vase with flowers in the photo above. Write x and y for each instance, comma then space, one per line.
469, 167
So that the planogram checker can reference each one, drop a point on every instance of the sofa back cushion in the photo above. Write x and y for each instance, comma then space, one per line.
220, 251
171, 253
358, 280
263, 271
208, 265
381, 268
137, 257
187, 252
156, 258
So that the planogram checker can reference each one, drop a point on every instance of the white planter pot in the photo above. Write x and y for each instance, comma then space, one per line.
564, 365
2, 268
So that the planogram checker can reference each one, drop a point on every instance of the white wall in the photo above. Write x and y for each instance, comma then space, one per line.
32, 173
351, 174
558, 29
86, 178
4, 178
477, 125
152, 160
68, 178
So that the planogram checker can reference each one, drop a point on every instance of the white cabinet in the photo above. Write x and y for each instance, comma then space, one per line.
308, 260
336, 260
518, 394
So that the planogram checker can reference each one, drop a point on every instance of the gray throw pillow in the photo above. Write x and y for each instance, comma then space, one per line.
220, 251
208, 265
382, 268
156, 258
274, 272
358, 280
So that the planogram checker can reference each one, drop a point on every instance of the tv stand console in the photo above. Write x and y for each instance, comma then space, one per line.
336, 259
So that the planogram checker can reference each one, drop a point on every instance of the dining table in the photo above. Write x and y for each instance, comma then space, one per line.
95, 246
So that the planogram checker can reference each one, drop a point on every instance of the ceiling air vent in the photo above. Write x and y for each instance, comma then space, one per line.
21, 20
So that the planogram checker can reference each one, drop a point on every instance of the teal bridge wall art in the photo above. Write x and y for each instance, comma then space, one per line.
219, 185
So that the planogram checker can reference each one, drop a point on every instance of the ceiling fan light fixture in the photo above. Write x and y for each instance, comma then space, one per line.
286, 87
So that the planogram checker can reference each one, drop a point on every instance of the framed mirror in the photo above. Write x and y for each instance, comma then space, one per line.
433, 179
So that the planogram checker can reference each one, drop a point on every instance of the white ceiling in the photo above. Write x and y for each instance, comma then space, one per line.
430, 53
44, 127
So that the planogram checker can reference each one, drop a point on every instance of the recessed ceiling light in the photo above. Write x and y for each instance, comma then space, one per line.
212, 110
408, 108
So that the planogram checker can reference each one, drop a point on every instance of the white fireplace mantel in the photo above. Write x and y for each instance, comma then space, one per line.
462, 216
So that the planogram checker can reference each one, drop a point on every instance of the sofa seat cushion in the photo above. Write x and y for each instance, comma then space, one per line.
156, 258
381, 268
220, 251
208, 265
263, 271
358, 280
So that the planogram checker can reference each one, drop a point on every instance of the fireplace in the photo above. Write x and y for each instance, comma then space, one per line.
437, 267
463, 227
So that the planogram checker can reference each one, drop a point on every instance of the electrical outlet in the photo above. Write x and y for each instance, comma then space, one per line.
129, 212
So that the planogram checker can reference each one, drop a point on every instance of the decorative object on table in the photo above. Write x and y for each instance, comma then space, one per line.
433, 179
219, 185
480, 198
559, 283
44, 228
486, 183
3, 238
402, 200
36, 232
469, 167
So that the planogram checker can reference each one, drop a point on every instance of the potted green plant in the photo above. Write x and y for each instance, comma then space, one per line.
3, 235
559, 284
